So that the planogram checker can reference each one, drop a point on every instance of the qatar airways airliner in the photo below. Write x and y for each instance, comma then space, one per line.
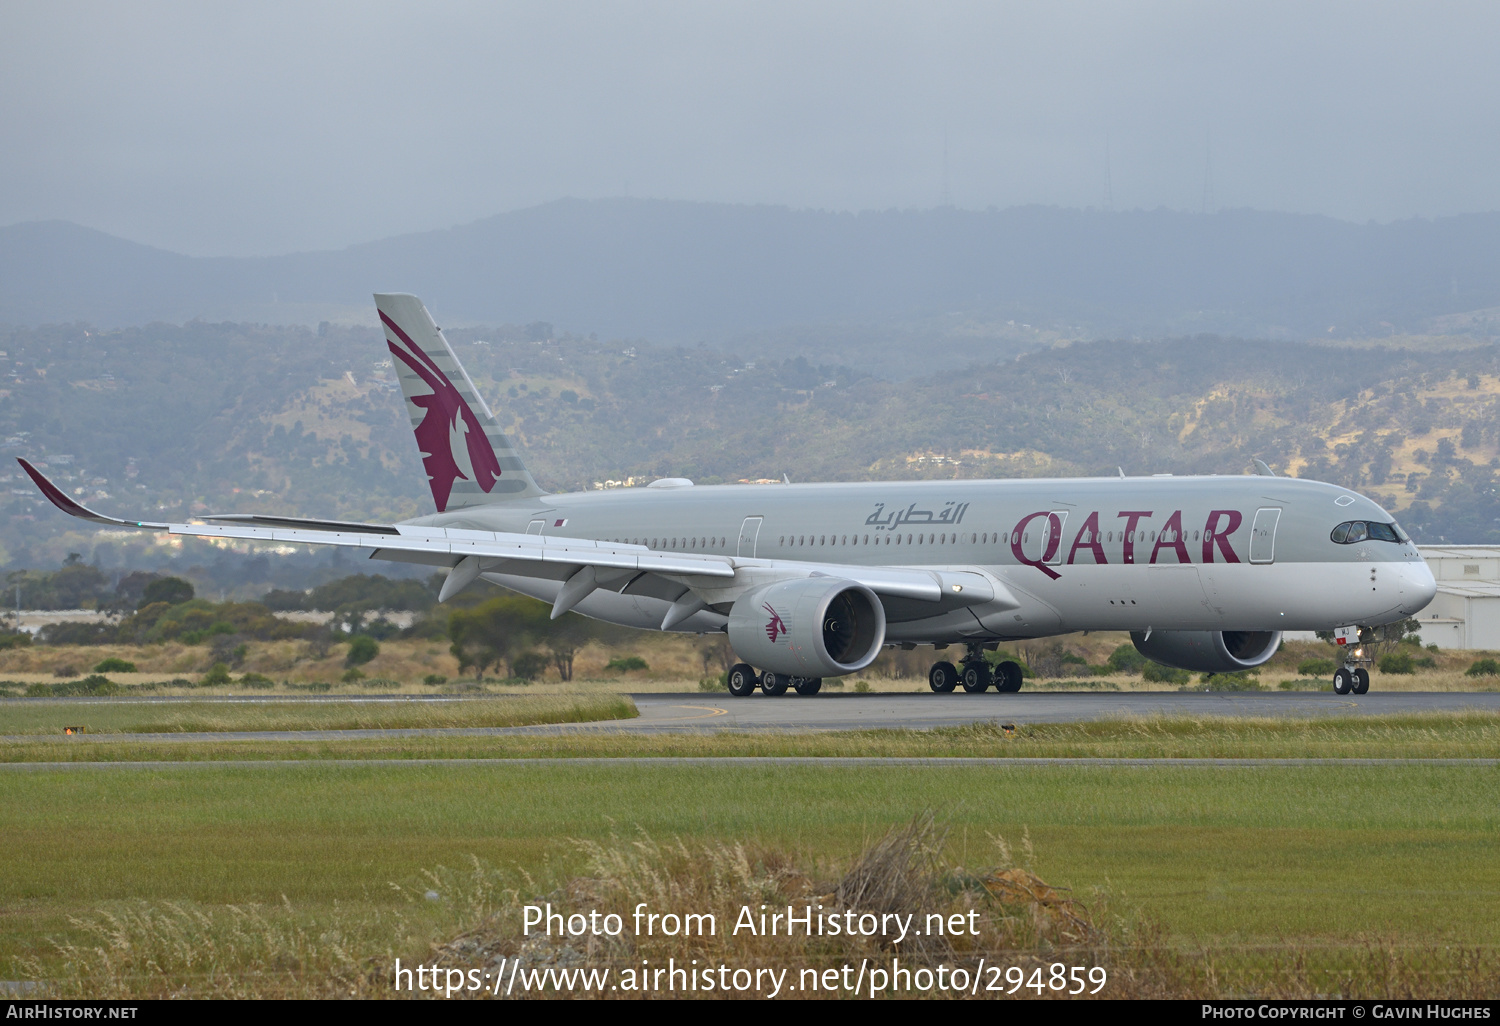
811, 580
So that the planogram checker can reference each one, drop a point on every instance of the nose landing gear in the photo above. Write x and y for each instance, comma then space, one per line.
1347, 679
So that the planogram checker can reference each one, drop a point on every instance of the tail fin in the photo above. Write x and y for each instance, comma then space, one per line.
468, 459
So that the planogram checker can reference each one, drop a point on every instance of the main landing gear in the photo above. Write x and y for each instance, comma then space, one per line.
975, 674
743, 680
1348, 679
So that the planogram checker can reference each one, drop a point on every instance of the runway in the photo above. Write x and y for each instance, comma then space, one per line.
687, 712
749, 761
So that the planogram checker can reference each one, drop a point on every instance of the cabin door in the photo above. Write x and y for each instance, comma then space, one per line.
1263, 535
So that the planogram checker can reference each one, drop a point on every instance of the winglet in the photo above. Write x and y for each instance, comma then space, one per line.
60, 499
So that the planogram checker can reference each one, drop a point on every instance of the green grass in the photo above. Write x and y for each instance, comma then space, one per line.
1226, 856
1417, 735
105, 717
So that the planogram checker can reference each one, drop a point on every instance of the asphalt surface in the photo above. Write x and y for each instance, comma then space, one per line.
836, 761
686, 712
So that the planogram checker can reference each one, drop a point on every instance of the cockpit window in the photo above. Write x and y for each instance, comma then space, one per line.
1359, 530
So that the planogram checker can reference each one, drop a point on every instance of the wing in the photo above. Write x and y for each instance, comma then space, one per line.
579, 564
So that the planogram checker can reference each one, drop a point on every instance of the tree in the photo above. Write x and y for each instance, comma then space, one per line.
494, 631
564, 637
171, 590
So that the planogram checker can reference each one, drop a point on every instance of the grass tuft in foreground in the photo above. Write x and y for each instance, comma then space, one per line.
175, 949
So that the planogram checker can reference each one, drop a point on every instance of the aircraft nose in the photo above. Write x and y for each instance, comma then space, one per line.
1419, 587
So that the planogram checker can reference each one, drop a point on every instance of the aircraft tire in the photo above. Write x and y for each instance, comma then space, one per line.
977, 678
742, 680
774, 683
942, 677
1008, 677
1343, 681
807, 685
1361, 680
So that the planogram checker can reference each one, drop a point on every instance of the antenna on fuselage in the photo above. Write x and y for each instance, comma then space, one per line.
1122, 471
785, 479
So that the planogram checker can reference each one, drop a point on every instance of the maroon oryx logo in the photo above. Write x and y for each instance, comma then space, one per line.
774, 627
448, 422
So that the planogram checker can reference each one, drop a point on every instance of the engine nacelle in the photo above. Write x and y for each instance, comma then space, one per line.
1208, 651
813, 627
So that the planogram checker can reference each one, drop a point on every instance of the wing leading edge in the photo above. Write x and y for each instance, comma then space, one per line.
466, 553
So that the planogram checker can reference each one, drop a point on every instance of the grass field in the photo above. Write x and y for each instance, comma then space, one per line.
1415, 736
106, 717
1316, 858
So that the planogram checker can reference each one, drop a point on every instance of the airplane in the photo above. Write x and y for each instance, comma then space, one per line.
811, 581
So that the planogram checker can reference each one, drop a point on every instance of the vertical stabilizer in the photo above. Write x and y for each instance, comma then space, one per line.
468, 459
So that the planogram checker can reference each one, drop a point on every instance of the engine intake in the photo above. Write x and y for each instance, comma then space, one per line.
1208, 651
813, 627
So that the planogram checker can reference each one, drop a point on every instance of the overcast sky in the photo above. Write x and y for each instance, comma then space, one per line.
267, 127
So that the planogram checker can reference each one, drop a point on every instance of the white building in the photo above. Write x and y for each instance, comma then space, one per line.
1465, 612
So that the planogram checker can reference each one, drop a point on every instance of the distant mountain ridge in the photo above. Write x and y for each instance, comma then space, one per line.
679, 271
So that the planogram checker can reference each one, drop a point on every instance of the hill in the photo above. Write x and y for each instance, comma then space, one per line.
172, 421
955, 284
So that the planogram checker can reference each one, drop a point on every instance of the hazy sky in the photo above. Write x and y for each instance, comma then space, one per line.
265, 127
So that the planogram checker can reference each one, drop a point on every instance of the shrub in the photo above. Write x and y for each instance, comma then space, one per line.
531, 665
64, 671
94, 684
1127, 659
352, 676
362, 648
1230, 682
1483, 668
114, 664
625, 664
434, 679
217, 674
1316, 667
861, 687
719, 683
256, 680
14, 639
1396, 662
1160, 674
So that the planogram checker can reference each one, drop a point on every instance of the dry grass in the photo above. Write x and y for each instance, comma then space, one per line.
677, 663
473, 920
106, 717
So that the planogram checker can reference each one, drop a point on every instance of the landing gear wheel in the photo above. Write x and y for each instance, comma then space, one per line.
1343, 681
774, 683
977, 678
807, 685
742, 680
942, 677
1008, 677
1361, 680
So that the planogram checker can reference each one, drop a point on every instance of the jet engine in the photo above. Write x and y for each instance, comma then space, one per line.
1208, 651
812, 627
